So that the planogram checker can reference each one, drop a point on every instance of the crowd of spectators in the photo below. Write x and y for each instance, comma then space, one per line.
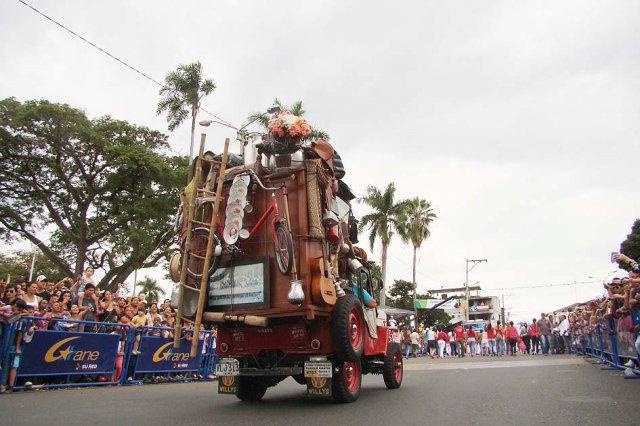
561, 332
542, 336
59, 305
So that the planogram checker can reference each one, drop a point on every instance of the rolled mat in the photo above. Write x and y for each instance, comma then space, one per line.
315, 179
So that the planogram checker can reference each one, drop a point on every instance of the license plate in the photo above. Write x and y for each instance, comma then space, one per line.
228, 367
317, 369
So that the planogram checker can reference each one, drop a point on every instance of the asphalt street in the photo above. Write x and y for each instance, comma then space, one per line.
524, 390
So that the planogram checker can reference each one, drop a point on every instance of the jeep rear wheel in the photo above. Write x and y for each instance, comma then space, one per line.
393, 367
348, 328
251, 388
347, 380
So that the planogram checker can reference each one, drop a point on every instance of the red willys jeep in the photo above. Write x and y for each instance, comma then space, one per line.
286, 285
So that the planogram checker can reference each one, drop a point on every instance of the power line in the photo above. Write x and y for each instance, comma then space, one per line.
545, 285
417, 270
108, 54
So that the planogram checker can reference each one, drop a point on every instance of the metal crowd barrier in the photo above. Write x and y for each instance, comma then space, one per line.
102, 354
611, 342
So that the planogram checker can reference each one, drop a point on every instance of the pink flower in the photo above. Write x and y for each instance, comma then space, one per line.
286, 123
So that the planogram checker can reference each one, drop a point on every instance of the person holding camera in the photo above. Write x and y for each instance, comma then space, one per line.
88, 302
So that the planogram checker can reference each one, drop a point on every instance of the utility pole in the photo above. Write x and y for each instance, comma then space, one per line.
473, 262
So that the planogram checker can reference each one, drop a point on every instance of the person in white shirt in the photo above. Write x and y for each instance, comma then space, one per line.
564, 331
415, 343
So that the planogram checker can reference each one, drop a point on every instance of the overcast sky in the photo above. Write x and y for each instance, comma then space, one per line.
517, 120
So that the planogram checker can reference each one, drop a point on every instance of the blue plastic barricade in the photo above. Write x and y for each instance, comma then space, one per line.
624, 340
156, 356
56, 354
49, 357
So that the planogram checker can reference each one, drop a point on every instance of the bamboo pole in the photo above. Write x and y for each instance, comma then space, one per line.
207, 259
187, 245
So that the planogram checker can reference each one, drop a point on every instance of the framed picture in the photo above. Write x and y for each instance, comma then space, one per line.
240, 284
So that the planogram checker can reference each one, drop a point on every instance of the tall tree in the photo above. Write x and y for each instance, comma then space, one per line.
296, 109
401, 294
150, 288
18, 265
414, 224
382, 222
103, 189
182, 94
631, 246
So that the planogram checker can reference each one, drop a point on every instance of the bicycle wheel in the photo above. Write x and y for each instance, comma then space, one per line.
195, 259
283, 245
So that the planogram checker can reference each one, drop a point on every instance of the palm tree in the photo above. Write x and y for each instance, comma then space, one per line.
295, 109
382, 223
181, 95
151, 289
416, 217
414, 225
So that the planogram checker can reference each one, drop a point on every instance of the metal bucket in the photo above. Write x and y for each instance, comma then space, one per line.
250, 154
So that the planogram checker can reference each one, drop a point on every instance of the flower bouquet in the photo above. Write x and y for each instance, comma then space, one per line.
288, 131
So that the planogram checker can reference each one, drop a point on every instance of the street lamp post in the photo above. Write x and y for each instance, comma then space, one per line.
242, 133
473, 262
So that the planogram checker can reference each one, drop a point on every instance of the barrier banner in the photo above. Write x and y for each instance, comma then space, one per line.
606, 337
61, 352
158, 354
624, 337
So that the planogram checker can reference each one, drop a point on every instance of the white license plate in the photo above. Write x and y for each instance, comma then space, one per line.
317, 369
228, 367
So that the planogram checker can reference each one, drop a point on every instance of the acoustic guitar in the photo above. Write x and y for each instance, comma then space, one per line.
323, 291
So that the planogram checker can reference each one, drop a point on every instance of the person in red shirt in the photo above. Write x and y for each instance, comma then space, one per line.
458, 333
491, 337
512, 334
471, 339
442, 341
533, 335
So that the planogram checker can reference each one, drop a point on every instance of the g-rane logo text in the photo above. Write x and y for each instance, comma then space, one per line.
68, 353
168, 354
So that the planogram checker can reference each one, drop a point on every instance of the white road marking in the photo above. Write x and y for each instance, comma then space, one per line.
472, 365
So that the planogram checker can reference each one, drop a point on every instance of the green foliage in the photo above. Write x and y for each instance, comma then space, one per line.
413, 224
401, 294
150, 288
295, 109
104, 187
382, 222
434, 317
18, 265
631, 246
182, 93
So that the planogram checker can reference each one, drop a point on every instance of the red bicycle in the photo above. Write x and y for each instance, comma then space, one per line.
280, 234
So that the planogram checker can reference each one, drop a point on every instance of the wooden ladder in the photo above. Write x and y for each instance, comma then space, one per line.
210, 245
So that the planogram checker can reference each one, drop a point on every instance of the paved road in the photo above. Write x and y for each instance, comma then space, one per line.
561, 390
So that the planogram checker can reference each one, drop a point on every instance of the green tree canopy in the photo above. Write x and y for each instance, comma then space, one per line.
401, 294
18, 265
413, 226
150, 288
631, 246
382, 222
102, 190
434, 317
182, 94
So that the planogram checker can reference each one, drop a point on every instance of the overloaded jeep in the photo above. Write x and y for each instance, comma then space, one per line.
285, 284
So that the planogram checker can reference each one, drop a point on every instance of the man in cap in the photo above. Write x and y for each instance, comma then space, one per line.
41, 292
